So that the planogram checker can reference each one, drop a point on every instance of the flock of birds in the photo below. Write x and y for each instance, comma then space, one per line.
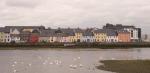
54, 62
45, 62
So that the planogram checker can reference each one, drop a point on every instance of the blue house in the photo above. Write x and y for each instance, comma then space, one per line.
88, 36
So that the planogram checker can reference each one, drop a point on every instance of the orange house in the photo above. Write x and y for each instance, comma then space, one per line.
124, 36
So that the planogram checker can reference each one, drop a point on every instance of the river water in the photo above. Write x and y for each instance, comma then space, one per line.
64, 60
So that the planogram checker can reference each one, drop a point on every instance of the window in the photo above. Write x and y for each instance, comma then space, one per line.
131, 33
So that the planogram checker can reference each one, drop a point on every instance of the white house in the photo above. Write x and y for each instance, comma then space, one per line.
88, 36
7, 38
111, 36
4, 36
65, 39
111, 39
15, 38
134, 32
15, 35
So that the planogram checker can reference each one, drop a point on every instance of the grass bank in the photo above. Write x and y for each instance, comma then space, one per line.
126, 66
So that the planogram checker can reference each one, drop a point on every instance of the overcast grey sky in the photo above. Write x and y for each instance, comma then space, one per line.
75, 13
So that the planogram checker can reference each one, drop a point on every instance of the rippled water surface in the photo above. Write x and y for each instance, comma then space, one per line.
65, 60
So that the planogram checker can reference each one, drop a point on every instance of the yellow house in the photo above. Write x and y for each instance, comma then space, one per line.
71, 38
75, 35
74, 38
100, 35
2, 37
78, 33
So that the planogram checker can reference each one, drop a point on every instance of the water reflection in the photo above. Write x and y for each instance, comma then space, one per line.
64, 61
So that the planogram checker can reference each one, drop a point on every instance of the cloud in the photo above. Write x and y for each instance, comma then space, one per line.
75, 13
22, 3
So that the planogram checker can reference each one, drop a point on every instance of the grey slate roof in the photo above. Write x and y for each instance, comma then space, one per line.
86, 33
20, 28
122, 31
111, 32
47, 32
69, 32
78, 30
25, 32
100, 31
2, 29
57, 32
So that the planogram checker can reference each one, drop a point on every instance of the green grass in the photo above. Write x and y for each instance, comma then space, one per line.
126, 66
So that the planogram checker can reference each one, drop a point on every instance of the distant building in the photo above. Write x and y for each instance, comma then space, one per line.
135, 33
15, 35
34, 34
46, 36
145, 38
78, 34
25, 36
22, 33
7, 37
112, 36
88, 36
34, 37
2, 35
100, 35
123, 36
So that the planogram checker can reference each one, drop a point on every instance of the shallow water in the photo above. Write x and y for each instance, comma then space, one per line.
65, 60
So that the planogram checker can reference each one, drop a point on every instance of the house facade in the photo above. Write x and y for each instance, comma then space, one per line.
112, 36
7, 38
65, 39
100, 35
135, 33
34, 34
78, 34
2, 36
45, 36
88, 37
123, 36
15, 35
34, 37
25, 36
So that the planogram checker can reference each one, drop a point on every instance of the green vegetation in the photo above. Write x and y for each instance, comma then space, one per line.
126, 66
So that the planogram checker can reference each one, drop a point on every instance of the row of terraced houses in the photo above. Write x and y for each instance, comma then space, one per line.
34, 34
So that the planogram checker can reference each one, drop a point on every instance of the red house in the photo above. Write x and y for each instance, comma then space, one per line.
34, 37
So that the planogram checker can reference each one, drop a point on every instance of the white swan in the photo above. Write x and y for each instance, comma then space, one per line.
44, 63
15, 71
73, 66
80, 65
13, 65
79, 57
74, 59
30, 64
51, 63
15, 62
